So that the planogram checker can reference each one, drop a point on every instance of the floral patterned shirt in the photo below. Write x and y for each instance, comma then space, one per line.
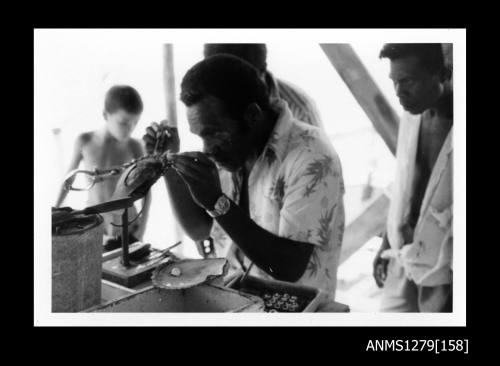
295, 191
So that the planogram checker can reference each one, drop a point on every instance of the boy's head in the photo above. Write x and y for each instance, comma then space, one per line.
122, 110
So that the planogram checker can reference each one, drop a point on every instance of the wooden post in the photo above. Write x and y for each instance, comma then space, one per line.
170, 99
169, 84
364, 227
125, 255
363, 88
448, 54
448, 58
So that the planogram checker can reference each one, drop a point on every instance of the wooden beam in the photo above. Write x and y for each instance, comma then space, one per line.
171, 104
448, 58
367, 225
448, 54
363, 88
169, 84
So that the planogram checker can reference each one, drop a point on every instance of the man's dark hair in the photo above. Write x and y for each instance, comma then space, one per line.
123, 97
228, 78
430, 55
254, 53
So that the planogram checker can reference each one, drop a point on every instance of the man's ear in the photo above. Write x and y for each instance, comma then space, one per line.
445, 74
252, 115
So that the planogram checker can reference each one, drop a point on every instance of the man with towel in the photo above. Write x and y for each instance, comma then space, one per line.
414, 264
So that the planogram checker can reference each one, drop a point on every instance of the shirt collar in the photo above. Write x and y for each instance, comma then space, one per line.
278, 141
272, 84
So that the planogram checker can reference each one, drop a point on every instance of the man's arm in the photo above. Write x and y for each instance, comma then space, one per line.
282, 258
193, 219
74, 163
380, 264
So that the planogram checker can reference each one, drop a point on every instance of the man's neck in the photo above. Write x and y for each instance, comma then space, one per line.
443, 108
262, 137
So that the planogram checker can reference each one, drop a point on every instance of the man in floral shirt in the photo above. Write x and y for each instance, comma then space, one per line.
274, 196
295, 191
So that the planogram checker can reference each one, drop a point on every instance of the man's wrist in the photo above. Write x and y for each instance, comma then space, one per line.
210, 205
219, 207
171, 176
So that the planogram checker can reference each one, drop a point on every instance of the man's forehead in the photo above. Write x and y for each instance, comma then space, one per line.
406, 65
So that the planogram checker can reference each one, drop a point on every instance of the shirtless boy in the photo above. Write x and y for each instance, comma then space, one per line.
110, 146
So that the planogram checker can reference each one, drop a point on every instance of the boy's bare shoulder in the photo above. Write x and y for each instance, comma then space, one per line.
85, 137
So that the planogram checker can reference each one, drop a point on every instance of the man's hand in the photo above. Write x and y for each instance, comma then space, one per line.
380, 264
201, 177
160, 138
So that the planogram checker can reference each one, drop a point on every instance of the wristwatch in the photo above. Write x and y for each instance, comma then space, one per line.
221, 206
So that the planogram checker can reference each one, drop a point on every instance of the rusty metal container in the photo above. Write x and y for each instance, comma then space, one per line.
76, 264
204, 298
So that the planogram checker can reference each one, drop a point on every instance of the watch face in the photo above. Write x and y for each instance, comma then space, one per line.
222, 205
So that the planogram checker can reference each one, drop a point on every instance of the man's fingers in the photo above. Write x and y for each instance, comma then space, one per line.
383, 276
158, 136
149, 144
188, 178
383, 269
156, 126
194, 162
148, 139
378, 278
201, 171
185, 180
193, 172
150, 131
167, 131
193, 157
380, 271
375, 274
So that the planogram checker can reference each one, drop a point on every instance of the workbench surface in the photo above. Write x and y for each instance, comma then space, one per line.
111, 291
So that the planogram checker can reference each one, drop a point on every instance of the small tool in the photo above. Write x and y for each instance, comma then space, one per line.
61, 216
246, 272
163, 253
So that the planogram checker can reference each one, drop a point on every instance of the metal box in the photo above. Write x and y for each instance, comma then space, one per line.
204, 298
